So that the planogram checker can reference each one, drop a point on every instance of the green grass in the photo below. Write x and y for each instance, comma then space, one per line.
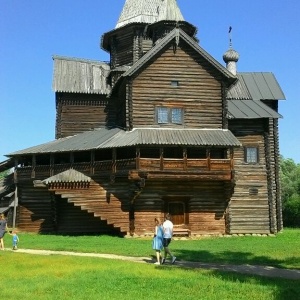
280, 251
28, 276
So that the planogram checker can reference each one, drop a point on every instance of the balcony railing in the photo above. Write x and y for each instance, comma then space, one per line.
135, 166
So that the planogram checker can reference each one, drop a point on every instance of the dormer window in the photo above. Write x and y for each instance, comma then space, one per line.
169, 115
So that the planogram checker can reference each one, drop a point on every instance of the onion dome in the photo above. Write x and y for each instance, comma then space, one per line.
231, 55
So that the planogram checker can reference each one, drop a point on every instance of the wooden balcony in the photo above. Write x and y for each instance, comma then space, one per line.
189, 169
147, 168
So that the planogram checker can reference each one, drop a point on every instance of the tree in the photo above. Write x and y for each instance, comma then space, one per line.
290, 188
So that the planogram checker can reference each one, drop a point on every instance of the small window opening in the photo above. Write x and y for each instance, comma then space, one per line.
175, 83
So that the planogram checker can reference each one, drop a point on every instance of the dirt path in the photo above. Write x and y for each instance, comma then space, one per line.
266, 271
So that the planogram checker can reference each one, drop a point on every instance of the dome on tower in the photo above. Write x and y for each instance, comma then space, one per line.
231, 55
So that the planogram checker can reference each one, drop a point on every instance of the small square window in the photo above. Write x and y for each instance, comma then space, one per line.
175, 83
251, 155
253, 191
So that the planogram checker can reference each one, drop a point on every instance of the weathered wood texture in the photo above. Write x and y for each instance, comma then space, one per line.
199, 93
249, 208
76, 113
129, 45
273, 163
34, 212
205, 205
104, 207
72, 218
100, 202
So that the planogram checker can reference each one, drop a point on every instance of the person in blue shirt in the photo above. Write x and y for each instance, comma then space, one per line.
15, 240
157, 243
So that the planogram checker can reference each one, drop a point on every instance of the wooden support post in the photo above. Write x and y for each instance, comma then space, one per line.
161, 151
51, 165
15, 171
231, 159
208, 159
33, 166
138, 157
184, 159
72, 159
92, 163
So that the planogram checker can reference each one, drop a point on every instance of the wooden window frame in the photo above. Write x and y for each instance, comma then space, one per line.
246, 156
169, 112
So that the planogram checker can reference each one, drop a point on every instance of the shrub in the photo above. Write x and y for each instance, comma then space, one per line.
291, 211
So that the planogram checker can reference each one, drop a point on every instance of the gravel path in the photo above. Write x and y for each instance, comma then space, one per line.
266, 271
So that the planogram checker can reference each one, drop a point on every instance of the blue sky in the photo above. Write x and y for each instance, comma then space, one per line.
266, 33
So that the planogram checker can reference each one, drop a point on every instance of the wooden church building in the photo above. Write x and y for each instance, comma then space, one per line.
163, 127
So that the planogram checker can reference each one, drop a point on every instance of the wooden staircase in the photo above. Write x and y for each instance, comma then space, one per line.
95, 200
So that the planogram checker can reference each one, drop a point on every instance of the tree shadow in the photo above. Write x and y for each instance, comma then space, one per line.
224, 266
234, 257
232, 261
283, 288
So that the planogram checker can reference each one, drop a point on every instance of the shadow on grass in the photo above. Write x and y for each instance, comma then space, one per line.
283, 288
280, 288
237, 258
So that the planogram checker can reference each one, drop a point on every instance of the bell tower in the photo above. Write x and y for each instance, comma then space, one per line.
140, 25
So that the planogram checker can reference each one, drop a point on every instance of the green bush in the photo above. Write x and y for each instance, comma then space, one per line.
291, 212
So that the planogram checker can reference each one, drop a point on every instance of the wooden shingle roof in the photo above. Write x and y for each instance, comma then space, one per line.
149, 11
70, 175
74, 75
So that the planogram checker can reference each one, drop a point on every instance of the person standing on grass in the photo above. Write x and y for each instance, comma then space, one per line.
15, 240
168, 234
3, 230
157, 243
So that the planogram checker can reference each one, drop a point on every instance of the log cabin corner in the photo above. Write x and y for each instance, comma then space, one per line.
163, 127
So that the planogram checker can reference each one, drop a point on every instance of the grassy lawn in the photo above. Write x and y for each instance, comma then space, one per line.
280, 251
29, 276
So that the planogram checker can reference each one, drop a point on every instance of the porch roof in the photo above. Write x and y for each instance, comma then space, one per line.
67, 176
104, 138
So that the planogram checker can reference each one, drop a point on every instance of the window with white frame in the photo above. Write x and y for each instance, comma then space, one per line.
251, 155
169, 115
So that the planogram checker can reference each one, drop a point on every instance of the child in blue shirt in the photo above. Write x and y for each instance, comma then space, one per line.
15, 240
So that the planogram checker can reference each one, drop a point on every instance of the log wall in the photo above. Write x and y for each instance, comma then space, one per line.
199, 93
249, 207
205, 204
76, 113
100, 208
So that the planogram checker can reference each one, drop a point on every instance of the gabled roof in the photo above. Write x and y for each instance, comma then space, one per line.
115, 138
70, 175
149, 11
255, 86
250, 109
74, 75
176, 34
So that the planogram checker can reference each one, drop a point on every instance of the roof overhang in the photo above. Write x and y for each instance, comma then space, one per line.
117, 138
250, 109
